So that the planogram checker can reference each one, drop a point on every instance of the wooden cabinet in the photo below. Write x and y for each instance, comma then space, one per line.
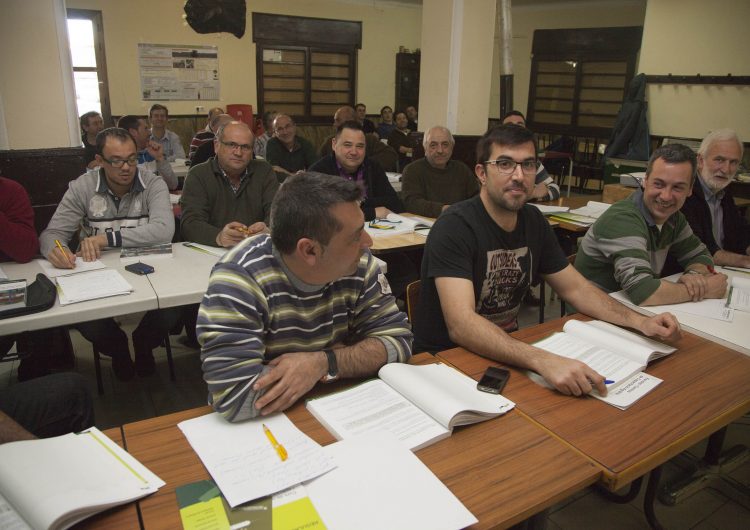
407, 80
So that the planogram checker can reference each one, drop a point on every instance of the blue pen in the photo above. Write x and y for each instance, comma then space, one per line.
608, 382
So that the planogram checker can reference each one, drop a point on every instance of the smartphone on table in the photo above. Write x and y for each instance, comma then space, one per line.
493, 380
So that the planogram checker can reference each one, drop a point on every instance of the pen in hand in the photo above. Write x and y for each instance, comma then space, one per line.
276, 445
64, 254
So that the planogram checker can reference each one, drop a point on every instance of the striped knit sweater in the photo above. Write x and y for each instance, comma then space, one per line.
253, 312
624, 249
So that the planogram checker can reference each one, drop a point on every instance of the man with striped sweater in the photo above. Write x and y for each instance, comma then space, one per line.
306, 304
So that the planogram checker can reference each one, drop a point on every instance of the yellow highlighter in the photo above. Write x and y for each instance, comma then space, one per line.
276, 445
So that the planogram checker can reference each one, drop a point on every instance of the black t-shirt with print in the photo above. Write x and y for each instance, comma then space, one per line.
466, 243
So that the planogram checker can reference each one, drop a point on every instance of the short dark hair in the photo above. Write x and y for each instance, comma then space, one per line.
360, 105
157, 106
673, 154
385, 107
510, 135
85, 118
113, 132
302, 208
351, 124
129, 121
514, 113
395, 114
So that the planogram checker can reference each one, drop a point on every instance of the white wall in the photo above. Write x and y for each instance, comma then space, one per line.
688, 37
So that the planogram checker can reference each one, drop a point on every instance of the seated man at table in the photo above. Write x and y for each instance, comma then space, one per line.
374, 148
710, 210
228, 197
431, 184
348, 160
367, 125
91, 124
206, 134
208, 150
48, 406
18, 240
545, 188
306, 304
481, 257
150, 154
401, 141
118, 206
288, 152
259, 148
159, 116
626, 248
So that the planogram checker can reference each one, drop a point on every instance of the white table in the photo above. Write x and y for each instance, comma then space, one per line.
179, 168
143, 298
734, 335
183, 279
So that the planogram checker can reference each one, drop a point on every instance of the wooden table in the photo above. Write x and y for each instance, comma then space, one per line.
401, 242
504, 470
706, 386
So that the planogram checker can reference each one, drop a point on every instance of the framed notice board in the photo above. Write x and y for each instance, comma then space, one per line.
177, 72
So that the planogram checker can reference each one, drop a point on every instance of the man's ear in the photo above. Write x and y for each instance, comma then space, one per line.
480, 173
98, 158
309, 251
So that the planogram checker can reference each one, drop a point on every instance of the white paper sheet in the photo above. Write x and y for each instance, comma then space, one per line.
91, 286
397, 489
714, 308
242, 461
51, 271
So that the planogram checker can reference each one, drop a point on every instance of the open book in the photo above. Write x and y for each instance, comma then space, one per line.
592, 209
739, 293
396, 224
617, 354
56, 482
418, 404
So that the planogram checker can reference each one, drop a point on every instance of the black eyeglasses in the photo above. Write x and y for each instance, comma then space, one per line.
119, 162
233, 146
507, 166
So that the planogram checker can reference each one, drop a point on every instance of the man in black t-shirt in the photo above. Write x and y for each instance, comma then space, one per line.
483, 253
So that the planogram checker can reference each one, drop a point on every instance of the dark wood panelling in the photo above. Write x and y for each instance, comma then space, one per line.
291, 31
45, 173
598, 41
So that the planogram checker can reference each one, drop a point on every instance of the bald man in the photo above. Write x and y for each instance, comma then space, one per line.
288, 152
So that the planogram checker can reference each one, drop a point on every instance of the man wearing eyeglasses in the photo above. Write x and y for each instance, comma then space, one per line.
483, 254
120, 205
228, 198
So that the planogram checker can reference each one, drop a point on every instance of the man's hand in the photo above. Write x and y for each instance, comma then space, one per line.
62, 260
231, 234
663, 325
291, 377
155, 149
257, 228
700, 286
570, 376
381, 212
91, 247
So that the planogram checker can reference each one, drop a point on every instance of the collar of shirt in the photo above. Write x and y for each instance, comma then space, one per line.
102, 186
229, 181
637, 198
709, 194
359, 177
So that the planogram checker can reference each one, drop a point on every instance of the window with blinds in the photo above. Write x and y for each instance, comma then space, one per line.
307, 80
579, 78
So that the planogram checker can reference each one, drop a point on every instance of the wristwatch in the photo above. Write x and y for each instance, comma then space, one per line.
333, 368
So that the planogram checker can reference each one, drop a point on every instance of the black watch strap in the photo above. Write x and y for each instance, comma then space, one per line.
333, 368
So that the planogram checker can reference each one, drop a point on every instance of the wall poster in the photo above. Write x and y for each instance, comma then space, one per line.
176, 72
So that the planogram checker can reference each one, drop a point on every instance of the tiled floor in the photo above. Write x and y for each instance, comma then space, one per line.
711, 508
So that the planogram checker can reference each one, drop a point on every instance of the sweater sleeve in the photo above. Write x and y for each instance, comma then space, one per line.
66, 219
18, 239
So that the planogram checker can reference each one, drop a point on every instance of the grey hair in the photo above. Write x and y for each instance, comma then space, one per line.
720, 135
429, 132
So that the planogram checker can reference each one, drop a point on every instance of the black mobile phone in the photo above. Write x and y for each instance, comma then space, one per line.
139, 268
493, 380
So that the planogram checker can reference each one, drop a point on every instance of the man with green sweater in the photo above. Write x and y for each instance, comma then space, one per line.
228, 197
431, 184
627, 246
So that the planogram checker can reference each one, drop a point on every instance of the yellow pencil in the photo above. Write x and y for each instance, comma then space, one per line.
276, 445
62, 250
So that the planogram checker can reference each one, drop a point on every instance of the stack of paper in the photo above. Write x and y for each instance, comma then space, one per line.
51, 271
242, 461
91, 286
739, 293
549, 210
592, 209
396, 224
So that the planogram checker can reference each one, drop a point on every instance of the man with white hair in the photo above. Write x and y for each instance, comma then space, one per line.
431, 184
710, 210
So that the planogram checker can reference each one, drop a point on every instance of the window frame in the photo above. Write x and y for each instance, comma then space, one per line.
101, 58
582, 46
309, 35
